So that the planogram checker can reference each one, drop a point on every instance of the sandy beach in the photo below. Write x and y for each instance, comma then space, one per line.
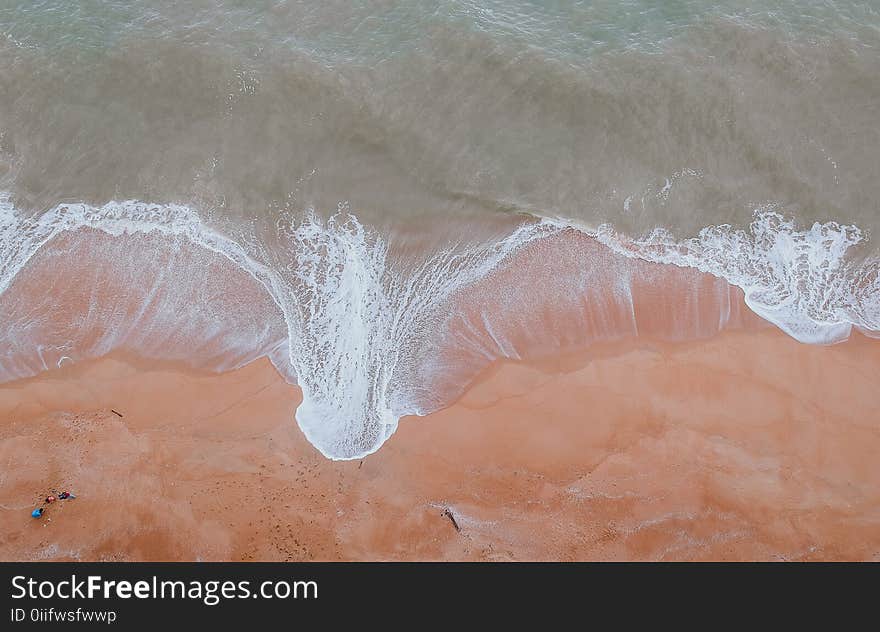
748, 445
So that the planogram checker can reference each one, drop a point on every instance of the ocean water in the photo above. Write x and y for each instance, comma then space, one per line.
385, 197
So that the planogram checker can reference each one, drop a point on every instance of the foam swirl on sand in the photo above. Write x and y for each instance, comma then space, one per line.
354, 321
363, 330
358, 323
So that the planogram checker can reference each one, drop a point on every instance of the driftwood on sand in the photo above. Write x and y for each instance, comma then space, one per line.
448, 513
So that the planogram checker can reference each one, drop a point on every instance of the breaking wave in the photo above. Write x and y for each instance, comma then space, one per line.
371, 337
799, 280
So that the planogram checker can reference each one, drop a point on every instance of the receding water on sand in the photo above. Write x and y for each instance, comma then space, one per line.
370, 338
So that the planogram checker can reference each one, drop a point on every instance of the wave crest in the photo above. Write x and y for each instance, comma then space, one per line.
799, 280
366, 335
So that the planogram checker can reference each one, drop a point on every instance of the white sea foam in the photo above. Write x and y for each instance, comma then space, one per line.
22, 236
358, 321
358, 324
355, 322
801, 280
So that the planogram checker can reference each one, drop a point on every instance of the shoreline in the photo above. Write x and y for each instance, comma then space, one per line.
748, 445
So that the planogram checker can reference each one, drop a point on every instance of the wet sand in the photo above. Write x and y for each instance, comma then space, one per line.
746, 446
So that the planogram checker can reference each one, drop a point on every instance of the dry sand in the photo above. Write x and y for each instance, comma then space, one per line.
745, 446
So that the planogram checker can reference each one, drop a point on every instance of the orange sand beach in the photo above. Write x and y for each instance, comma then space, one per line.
748, 445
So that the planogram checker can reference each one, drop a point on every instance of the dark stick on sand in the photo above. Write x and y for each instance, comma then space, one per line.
448, 514
115, 412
